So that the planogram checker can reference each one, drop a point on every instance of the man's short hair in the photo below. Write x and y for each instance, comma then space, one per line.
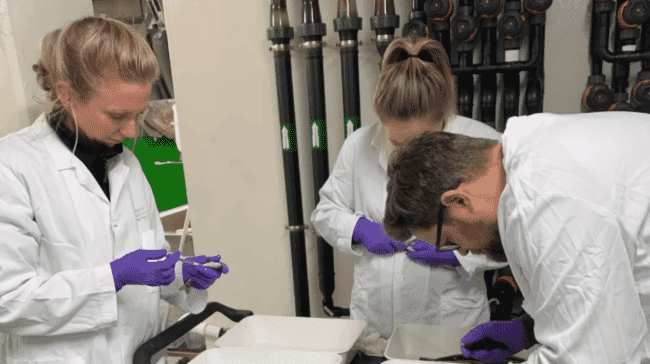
422, 170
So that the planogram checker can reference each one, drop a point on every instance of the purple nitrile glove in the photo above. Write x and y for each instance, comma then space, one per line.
135, 268
511, 333
203, 277
429, 255
374, 238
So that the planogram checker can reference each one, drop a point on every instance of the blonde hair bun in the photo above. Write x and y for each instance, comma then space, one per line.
81, 51
415, 81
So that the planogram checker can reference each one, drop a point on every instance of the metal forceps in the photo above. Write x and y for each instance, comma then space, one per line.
410, 241
210, 264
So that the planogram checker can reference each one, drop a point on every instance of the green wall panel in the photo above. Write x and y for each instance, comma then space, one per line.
168, 180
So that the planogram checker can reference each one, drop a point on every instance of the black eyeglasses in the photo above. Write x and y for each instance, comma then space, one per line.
447, 247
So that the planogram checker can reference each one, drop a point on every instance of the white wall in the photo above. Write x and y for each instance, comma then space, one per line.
10, 79
23, 23
225, 85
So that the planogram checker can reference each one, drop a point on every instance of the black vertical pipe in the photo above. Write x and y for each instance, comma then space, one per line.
510, 95
596, 61
439, 12
466, 87
280, 33
444, 35
465, 30
641, 90
621, 68
645, 45
384, 24
488, 11
598, 95
510, 78
347, 25
417, 24
312, 30
535, 83
489, 80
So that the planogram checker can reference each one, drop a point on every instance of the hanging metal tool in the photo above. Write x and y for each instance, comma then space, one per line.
464, 31
280, 34
348, 24
312, 30
417, 24
384, 24
488, 10
439, 12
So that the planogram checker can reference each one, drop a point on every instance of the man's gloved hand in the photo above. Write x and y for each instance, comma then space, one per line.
429, 255
203, 277
510, 333
373, 237
135, 268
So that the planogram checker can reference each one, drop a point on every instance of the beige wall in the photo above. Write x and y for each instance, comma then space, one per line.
226, 96
23, 25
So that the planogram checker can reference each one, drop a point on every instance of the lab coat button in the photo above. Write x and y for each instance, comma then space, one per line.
125, 331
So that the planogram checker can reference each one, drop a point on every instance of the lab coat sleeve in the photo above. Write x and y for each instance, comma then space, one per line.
334, 217
194, 301
474, 263
33, 304
582, 294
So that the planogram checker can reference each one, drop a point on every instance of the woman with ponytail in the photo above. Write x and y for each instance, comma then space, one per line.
415, 93
83, 257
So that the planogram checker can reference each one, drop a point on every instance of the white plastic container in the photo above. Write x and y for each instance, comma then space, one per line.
260, 356
412, 342
295, 333
405, 361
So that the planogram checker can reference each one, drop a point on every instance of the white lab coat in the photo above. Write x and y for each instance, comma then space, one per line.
574, 221
58, 234
395, 288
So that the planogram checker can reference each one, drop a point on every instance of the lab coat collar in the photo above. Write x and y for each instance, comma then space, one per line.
61, 155
380, 141
63, 159
88, 151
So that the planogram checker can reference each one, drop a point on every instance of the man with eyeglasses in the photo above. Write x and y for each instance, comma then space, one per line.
565, 200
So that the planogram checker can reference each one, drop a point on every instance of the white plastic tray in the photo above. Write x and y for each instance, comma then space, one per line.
261, 356
412, 342
294, 333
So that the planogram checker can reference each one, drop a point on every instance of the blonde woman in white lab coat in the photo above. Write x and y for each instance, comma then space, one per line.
78, 220
415, 93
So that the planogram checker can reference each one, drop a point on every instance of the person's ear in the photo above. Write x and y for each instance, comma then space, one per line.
457, 198
64, 93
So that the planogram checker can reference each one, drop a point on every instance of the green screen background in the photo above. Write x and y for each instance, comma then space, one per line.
168, 180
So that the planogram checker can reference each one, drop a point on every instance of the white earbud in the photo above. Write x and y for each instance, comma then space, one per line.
76, 129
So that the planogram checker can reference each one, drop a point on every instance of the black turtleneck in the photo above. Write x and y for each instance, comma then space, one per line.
93, 155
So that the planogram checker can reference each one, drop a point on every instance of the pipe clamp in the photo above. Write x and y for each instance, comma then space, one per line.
348, 43
280, 47
294, 228
385, 37
310, 44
